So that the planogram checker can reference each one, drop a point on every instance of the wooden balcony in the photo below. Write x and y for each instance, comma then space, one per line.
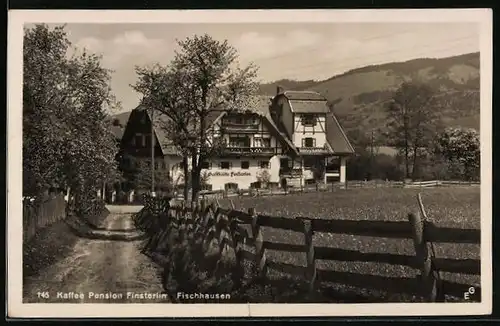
251, 150
230, 127
313, 150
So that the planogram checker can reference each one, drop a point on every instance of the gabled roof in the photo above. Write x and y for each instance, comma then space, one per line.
300, 106
306, 102
304, 96
260, 104
161, 120
159, 123
118, 123
312, 102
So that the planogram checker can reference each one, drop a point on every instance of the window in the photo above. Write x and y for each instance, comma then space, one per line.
156, 165
245, 165
138, 140
309, 142
239, 141
147, 140
164, 165
264, 164
231, 186
206, 187
225, 165
236, 119
308, 120
206, 165
262, 142
253, 120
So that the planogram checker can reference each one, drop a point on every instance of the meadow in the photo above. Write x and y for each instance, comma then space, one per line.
456, 207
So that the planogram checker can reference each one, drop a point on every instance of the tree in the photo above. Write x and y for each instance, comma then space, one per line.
203, 77
67, 138
263, 177
413, 120
143, 177
460, 147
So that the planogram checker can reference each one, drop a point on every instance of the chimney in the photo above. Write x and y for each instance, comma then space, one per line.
279, 90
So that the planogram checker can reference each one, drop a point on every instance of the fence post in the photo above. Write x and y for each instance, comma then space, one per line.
239, 272
424, 260
260, 256
311, 262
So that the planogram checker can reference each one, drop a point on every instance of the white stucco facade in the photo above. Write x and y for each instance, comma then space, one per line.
225, 171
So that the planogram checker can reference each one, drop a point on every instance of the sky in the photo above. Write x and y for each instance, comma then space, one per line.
285, 50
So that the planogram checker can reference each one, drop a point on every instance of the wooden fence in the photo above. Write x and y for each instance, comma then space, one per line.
331, 187
37, 215
229, 228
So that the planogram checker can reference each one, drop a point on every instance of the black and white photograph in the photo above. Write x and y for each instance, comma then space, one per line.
247, 163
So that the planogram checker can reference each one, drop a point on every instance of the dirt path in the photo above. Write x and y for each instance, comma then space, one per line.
100, 271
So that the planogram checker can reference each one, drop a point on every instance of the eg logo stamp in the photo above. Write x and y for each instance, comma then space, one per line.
469, 292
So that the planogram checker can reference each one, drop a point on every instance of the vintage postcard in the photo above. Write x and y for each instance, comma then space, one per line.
249, 163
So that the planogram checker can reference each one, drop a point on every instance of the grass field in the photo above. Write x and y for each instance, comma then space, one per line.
457, 207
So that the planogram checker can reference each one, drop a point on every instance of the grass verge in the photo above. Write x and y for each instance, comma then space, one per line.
47, 246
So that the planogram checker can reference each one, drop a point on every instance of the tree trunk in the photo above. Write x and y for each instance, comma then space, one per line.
415, 161
407, 155
195, 178
407, 162
186, 173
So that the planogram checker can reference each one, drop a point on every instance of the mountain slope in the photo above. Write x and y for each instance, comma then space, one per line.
358, 97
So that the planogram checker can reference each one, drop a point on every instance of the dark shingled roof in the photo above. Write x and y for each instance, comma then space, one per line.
160, 120
304, 96
336, 137
299, 106
337, 140
121, 122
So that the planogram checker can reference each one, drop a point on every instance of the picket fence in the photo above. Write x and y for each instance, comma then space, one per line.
38, 215
228, 226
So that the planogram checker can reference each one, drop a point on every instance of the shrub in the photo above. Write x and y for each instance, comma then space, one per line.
379, 166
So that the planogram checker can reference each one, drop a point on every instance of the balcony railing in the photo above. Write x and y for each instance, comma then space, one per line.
231, 126
313, 150
250, 150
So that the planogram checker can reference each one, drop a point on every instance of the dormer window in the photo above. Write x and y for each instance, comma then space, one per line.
308, 120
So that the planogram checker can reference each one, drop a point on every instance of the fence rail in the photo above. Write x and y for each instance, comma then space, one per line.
237, 231
322, 187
